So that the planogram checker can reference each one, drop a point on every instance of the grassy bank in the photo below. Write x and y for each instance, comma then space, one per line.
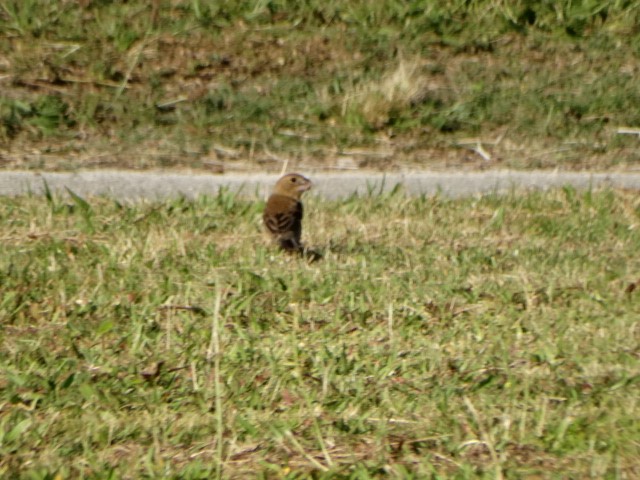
378, 84
455, 338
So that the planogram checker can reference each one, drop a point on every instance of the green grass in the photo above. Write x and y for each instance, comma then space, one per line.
438, 338
190, 83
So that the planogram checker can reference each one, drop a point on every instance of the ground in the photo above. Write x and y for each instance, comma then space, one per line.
320, 85
437, 338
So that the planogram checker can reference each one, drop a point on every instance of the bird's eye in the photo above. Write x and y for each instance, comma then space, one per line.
293, 179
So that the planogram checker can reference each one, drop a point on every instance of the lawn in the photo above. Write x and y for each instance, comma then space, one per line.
493, 337
238, 84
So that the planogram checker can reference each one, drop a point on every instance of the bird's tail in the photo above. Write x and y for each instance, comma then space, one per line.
292, 246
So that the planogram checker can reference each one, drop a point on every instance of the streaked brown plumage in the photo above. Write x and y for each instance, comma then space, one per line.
283, 213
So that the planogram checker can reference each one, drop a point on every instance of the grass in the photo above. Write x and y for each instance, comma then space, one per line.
492, 337
379, 84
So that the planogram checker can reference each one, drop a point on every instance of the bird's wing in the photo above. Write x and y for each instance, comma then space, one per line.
283, 215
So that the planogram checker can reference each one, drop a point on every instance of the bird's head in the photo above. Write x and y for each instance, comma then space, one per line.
292, 185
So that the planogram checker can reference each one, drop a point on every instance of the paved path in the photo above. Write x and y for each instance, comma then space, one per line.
155, 185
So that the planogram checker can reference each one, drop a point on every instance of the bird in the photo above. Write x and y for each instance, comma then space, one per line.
283, 212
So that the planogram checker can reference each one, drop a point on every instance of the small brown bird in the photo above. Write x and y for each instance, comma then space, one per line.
283, 213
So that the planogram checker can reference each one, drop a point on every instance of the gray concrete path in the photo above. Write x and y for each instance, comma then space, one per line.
126, 185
